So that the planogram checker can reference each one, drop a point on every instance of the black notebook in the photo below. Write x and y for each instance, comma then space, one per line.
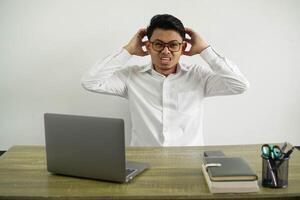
231, 169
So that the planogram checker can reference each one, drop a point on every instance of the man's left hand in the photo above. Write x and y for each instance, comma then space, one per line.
197, 43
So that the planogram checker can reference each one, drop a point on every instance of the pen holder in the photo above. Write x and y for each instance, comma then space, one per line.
275, 172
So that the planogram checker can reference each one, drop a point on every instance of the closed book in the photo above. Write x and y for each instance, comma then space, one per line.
229, 169
230, 186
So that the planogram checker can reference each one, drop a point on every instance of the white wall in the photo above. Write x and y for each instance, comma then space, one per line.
46, 45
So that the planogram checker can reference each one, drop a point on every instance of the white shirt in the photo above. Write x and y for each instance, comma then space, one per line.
165, 111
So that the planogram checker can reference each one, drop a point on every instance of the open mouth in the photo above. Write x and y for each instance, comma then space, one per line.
165, 60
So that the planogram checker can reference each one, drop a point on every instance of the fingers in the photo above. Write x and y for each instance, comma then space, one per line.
189, 31
193, 35
145, 53
144, 48
188, 40
142, 32
142, 52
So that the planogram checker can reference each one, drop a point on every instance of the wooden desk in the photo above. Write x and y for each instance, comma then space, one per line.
174, 174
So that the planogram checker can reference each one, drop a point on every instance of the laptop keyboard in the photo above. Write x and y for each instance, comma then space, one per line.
130, 171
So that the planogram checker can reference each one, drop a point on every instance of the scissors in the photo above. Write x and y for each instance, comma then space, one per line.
273, 152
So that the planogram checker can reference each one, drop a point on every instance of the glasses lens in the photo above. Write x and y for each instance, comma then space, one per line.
158, 46
174, 46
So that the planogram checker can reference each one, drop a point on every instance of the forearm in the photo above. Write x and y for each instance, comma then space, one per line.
227, 78
102, 72
107, 66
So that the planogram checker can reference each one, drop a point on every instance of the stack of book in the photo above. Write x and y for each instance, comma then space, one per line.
229, 175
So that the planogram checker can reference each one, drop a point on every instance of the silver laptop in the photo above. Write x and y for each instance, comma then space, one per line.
88, 147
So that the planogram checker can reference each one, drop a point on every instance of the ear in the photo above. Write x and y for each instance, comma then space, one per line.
183, 47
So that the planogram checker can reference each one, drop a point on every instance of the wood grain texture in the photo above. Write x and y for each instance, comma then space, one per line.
175, 173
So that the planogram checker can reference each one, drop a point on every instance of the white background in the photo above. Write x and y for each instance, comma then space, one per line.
46, 46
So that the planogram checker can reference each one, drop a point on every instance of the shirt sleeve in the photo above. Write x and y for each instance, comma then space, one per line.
109, 76
224, 78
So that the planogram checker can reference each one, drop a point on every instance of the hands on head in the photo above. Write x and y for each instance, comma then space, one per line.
196, 42
135, 45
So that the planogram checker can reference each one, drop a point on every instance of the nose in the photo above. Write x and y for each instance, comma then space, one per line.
166, 50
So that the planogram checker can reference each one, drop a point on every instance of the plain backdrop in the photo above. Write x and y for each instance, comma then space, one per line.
46, 46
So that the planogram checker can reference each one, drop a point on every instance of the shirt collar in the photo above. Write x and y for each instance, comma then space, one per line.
149, 67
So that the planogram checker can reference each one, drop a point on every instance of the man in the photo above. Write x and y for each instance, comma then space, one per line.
165, 96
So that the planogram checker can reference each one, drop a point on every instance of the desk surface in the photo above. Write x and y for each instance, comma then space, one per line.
174, 174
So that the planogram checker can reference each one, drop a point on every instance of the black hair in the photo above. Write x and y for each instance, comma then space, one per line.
166, 22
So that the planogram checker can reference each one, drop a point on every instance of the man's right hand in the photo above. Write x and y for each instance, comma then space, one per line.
134, 47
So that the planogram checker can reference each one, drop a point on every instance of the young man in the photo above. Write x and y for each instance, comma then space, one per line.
165, 96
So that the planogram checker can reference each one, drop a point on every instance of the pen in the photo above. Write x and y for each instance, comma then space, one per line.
284, 147
289, 153
286, 156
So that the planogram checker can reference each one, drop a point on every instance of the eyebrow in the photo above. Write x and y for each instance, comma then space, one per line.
166, 42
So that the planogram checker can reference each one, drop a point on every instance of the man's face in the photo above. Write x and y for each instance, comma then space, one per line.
165, 57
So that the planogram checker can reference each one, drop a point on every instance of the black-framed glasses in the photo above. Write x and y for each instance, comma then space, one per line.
173, 45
